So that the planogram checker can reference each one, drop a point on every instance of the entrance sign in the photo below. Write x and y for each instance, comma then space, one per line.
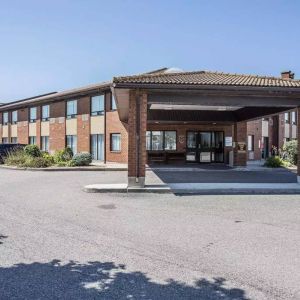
228, 141
241, 147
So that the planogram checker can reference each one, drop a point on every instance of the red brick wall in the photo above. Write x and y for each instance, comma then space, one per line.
255, 128
114, 125
83, 133
240, 136
132, 149
83, 125
23, 127
57, 138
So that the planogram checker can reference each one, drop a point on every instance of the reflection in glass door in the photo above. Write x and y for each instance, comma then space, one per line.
97, 146
205, 146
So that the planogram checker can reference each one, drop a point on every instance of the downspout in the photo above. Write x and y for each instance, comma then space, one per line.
137, 128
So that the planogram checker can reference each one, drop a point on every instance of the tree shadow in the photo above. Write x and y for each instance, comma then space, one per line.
96, 280
2, 237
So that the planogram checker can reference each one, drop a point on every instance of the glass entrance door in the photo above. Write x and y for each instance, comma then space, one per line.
205, 146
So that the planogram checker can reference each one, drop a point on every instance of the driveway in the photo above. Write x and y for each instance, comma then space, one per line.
57, 242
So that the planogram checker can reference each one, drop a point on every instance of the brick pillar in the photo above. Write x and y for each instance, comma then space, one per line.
137, 124
240, 147
298, 139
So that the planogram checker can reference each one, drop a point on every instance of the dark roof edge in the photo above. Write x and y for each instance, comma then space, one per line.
169, 86
58, 95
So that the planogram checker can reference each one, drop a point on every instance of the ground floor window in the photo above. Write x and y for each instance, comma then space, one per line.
97, 146
72, 143
115, 142
161, 140
5, 140
14, 140
45, 143
250, 142
32, 140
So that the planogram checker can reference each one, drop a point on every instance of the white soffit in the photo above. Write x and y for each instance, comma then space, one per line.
193, 107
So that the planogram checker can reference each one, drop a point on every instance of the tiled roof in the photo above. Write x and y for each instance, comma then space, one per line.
205, 78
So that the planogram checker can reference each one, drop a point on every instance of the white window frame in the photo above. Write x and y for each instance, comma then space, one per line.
71, 109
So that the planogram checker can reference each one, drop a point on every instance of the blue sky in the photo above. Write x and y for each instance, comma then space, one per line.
55, 45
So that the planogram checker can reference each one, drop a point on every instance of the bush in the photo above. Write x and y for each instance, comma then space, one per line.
32, 151
49, 158
15, 158
290, 151
63, 155
274, 162
82, 159
36, 162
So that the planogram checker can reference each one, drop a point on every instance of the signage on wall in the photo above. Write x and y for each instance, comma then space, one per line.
181, 139
241, 147
228, 141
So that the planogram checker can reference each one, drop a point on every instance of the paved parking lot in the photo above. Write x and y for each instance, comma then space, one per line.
57, 242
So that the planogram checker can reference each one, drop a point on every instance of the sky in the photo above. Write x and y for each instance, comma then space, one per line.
53, 45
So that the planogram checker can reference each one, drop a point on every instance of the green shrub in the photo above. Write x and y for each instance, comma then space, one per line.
49, 158
290, 151
32, 151
82, 159
274, 162
63, 155
36, 162
15, 158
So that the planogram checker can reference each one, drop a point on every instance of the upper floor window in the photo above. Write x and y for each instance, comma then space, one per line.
113, 103
45, 112
14, 117
32, 115
5, 118
294, 121
71, 109
97, 105
287, 117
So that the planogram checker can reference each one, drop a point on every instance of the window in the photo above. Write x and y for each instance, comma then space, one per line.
115, 142
191, 139
97, 146
72, 143
32, 115
294, 121
71, 109
287, 117
45, 113
161, 140
5, 140
250, 142
97, 105
170, 140
14, 117
32, 140
45, 143
5, 118
113, 103
14, 140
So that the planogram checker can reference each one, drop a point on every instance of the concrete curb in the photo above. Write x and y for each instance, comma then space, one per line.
236, 192
65, 169
122, 188
52, 169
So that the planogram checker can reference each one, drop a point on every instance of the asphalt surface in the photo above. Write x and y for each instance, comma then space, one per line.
57, 242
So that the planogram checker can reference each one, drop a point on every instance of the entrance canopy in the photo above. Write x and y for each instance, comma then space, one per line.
228, 96
197, 97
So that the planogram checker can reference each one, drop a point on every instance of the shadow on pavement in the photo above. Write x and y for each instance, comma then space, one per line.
2, 237
96, 280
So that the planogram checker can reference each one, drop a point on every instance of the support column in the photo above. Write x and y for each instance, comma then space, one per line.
298, 140
240, 144
137, 126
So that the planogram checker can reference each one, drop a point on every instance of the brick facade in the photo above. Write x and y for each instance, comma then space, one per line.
240, 138
137, 126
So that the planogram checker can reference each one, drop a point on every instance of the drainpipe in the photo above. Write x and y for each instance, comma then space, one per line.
137, 132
